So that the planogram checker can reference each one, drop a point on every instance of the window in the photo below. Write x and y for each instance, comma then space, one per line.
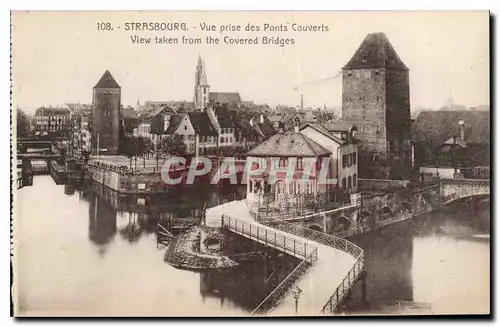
349, 182
185, 127
343, 161
354, 180
299, 164
221, 140
367, 74
343, 182
354, 155
283, 162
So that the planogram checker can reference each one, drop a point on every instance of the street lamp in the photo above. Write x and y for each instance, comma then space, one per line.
296, 294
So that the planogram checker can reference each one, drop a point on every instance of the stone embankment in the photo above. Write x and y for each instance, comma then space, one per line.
184, 252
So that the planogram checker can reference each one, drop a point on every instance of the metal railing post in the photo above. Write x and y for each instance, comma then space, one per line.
294, 247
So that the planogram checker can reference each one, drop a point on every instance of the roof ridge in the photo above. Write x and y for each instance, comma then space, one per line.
309, 141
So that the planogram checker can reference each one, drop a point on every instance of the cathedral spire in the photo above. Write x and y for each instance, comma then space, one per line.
201, 87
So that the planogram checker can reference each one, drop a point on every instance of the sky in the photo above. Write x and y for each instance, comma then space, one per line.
58, 57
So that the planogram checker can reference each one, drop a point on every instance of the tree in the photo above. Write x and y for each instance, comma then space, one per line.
173, 145
22, 123
133, 146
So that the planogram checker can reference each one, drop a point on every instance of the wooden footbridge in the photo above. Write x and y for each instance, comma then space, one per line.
329, 268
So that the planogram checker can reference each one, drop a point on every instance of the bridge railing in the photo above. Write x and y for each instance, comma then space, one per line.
307, 252
322, 238
279, 241
335, 242
284, 287
343, 289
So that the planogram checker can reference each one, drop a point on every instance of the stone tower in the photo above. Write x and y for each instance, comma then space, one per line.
376, 98
201, 87
106, 103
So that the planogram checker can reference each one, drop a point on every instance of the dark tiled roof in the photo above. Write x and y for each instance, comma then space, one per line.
439, 126
107, 82
175, 121
154, 112
201, 123
129, 113
375, 52
224, 97
266, 128
289, 144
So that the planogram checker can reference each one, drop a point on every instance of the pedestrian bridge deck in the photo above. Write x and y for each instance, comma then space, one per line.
336, 263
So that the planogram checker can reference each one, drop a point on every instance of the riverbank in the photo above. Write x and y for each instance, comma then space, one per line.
185, 251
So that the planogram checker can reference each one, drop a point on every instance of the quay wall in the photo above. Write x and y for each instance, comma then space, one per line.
127, 182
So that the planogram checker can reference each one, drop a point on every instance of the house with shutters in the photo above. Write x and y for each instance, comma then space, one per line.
302, 162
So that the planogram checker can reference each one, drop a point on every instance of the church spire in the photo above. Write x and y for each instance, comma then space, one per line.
201, 87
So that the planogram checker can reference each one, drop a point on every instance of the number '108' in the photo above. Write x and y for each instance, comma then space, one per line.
104, 26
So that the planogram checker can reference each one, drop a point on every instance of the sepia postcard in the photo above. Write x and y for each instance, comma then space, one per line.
250, 163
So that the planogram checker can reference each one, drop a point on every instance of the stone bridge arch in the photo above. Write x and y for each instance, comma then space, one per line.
452, 190
386, 213
341, 223
407, 207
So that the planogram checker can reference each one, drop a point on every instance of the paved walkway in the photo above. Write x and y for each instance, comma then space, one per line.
317, 284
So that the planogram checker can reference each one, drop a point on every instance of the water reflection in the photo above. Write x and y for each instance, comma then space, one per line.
426, 262
102, 221
86, 252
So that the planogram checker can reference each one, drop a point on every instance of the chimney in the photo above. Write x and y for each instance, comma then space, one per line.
462, 130
281, 127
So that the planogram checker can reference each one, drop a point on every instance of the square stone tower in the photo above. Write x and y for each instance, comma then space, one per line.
376, 98
106, 104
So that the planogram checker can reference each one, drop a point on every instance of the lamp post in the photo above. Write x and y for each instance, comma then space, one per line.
296, 294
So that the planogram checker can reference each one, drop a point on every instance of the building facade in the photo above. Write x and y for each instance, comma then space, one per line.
305, 162
376, 98
106, 115
52, 122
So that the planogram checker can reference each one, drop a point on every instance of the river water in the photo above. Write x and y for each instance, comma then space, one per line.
84, 251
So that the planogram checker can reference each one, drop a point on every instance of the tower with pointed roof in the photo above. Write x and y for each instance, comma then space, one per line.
106, 103
201, 87
376, 98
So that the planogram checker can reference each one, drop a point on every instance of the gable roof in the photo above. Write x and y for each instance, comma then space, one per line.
156, 111
322, 129
375, 52
201, 123
107, 82
288, 144
175, 121
438, 126
224, 97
